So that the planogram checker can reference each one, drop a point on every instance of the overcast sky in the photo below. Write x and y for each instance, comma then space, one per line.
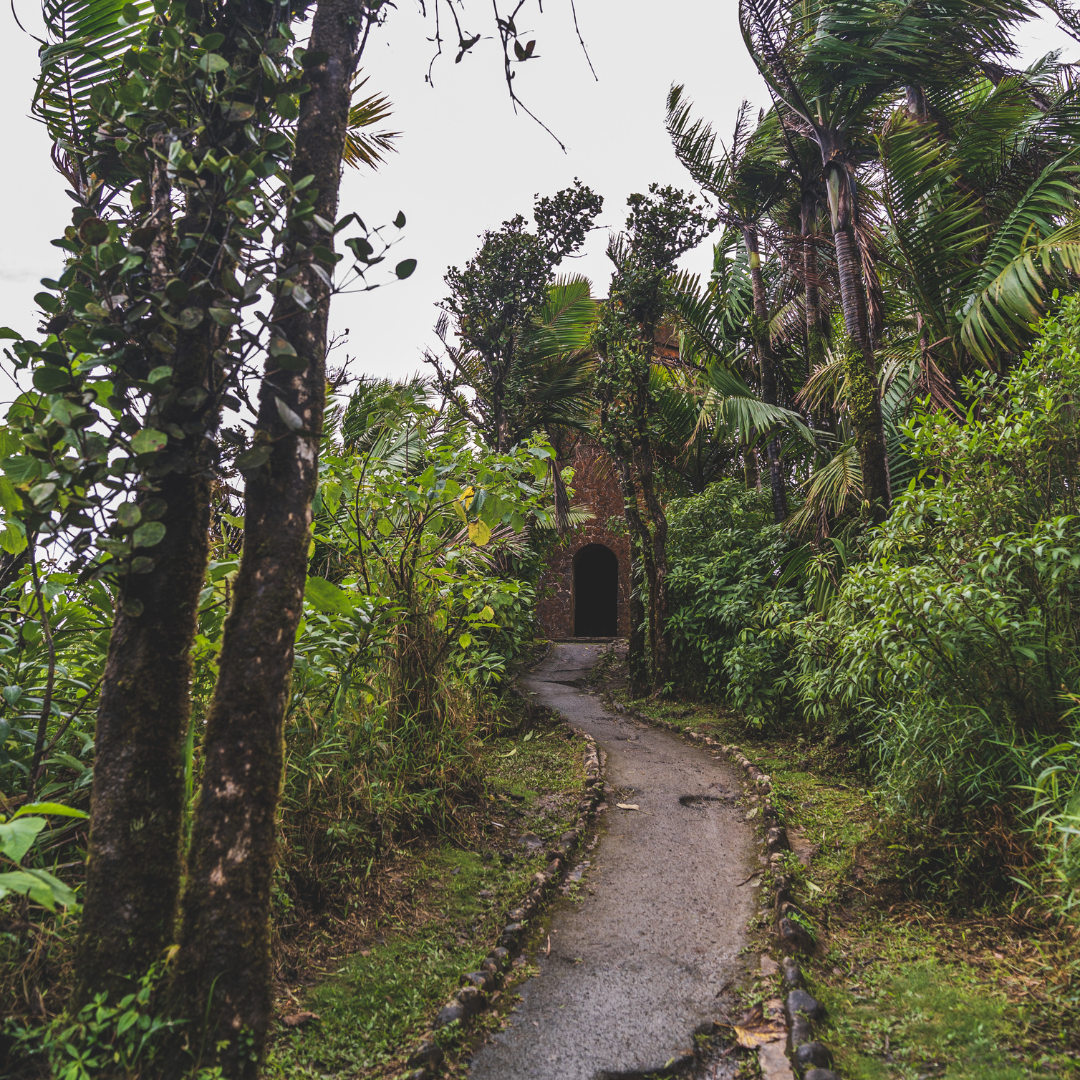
466, 162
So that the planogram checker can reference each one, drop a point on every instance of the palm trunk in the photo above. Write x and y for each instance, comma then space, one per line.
137, 801
767, 365
864, 402
751, 472
223, 968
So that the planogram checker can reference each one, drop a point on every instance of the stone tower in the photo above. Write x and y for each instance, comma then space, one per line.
585, 591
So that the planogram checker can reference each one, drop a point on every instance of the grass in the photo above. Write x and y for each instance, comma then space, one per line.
448, 903
913, 989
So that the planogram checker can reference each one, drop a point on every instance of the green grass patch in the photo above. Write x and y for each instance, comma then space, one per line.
374, 1008
921, 1019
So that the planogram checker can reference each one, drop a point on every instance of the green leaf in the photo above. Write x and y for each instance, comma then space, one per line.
224, 317
254, 458
148, 441
128, 515
50, 808
212, 63
327, 598
50, 379
399, 221
47, 302
17, 837
405, 268
159, 373
148, 534
10, 502
40, 886
479, 533
465, 640
384, 526
93, 231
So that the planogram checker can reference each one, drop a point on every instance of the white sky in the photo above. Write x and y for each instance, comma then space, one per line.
465, 161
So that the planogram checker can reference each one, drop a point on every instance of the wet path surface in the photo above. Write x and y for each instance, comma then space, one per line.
636, 965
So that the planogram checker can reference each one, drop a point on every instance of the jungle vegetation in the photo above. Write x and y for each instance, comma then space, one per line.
236, 646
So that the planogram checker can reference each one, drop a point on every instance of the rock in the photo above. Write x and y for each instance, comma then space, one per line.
482, 980
451, 1011
773, 1062
471, 999
820, 1074
799, 1002
569, 837
500, 956
801, 1031
769, 967
510, 935
419, 1074
776, 839
531, 841
793, 937
812, 1055
792, 974
427, 1053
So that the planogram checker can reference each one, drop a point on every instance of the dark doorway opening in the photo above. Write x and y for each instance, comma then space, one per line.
596, 592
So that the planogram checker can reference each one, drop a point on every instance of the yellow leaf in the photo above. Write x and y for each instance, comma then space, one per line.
479, 533
488, 613
760, 1035
627, 806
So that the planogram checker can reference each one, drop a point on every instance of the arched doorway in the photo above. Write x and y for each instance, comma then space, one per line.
596, 592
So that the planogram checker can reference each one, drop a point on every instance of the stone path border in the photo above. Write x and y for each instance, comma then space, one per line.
799, 1011
473, 997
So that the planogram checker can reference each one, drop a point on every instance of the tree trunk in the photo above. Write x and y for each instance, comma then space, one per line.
767, 366
645, 469
751, 472
644, 576
137, 800
223, 969
864, 402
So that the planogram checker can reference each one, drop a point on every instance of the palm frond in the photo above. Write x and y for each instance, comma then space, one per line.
84, 46
364, 147
999, 316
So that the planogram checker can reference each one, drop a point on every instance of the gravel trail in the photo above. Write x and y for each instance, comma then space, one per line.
636, 964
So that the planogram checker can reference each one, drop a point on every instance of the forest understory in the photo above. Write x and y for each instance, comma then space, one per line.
914, 987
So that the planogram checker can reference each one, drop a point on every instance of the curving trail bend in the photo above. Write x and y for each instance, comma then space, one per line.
637, 964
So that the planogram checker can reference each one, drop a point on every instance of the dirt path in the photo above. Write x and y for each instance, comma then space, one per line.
636, 963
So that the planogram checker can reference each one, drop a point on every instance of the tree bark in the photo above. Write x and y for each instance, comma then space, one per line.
643, 575
645, 473
864, 400
137, 800
767, 366
223, 969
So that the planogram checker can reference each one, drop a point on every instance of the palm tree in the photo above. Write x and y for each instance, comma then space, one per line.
981, 198
832, 66
747, 185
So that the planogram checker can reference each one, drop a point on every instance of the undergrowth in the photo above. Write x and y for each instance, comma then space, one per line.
441, 904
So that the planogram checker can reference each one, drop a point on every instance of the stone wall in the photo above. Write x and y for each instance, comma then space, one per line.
596, 486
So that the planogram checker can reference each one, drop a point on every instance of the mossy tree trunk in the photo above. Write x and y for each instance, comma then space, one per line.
223, 969
864, 401
134, 869
643, 574
767, 366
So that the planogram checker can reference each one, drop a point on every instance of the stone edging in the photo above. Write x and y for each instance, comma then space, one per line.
810, 1057
473, 997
